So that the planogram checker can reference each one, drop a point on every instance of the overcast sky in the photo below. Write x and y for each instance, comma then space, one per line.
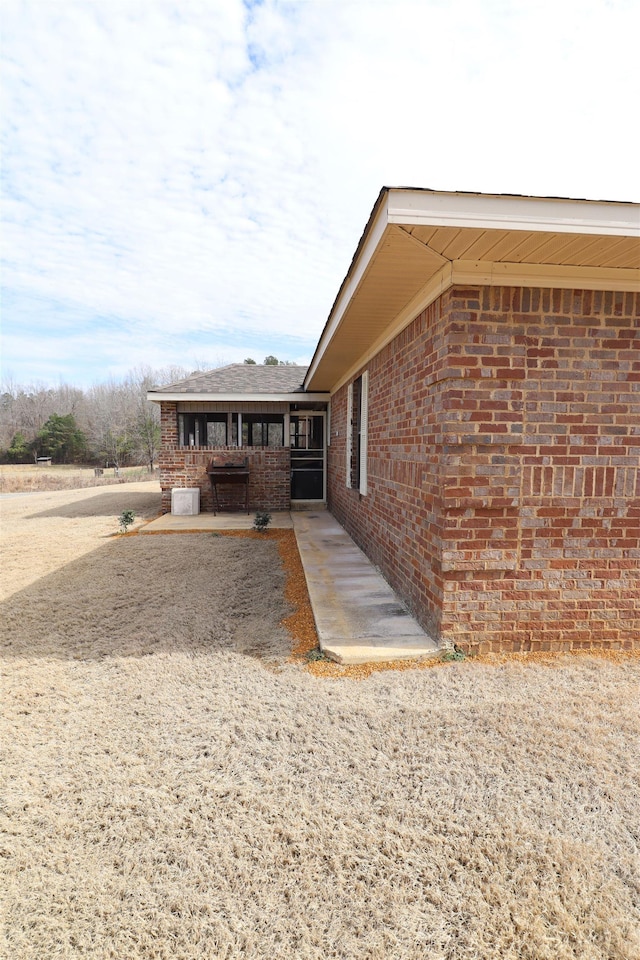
188, 181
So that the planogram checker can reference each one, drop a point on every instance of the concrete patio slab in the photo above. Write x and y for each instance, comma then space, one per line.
202, 522
358, 616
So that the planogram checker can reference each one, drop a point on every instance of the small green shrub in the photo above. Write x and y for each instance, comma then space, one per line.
315, 654
451, 655
261, 521
126, 519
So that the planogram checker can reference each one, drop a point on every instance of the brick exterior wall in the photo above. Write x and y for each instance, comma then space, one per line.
503, 472
269, 469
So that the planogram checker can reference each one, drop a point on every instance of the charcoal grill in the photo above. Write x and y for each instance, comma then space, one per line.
223, 471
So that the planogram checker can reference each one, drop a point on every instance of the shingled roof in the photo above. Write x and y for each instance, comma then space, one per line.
241, 378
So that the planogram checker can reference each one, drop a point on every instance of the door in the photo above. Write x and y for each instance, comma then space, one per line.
306, 439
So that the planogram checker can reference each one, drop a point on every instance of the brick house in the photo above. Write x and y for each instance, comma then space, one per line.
260, 414
478, 386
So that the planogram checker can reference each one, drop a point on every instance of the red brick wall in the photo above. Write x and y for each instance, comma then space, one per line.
269, 471
504, 480
399, 522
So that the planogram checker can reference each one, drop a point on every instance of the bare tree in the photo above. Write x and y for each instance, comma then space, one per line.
110, 423
120, 424
145, 415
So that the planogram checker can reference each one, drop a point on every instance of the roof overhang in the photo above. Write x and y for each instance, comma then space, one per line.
300, 397
417, 243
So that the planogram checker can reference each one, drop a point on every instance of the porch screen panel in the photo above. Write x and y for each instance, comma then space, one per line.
204, 429
217, 433
262, 430
275, 434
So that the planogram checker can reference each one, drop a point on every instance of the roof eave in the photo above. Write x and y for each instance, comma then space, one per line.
297, 397
378, 213
411, 207
509, 212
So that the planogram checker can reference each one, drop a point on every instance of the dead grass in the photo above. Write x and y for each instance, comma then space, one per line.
43, 532
22, 478
167, 796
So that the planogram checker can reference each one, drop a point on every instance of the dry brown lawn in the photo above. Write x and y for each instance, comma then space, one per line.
175, 787
28, 477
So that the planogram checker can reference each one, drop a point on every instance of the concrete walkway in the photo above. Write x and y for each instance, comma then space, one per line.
358, 616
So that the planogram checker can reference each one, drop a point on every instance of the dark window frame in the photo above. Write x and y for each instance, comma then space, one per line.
257, 429
194, 425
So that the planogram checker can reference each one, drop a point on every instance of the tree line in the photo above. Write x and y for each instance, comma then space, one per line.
109, 424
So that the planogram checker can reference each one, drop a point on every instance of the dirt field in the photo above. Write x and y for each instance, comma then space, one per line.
174, 787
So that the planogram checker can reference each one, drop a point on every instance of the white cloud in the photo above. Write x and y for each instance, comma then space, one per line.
203, 171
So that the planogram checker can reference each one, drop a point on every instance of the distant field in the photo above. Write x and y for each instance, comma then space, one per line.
18, 478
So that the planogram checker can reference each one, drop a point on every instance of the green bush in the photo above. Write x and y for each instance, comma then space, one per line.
126, 519
261, 521
451, 655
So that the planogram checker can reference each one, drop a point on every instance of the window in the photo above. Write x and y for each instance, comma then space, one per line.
357, 433
262, 430
207, 429
226, 429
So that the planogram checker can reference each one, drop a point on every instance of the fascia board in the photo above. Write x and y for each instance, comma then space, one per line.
486, 212
350, 285
237, 397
